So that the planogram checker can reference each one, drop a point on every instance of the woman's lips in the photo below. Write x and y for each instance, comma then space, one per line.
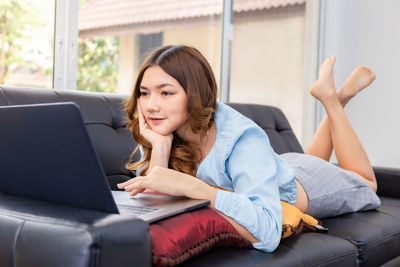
156, 120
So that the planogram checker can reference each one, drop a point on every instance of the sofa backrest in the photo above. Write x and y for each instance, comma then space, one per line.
105, 120
274, 123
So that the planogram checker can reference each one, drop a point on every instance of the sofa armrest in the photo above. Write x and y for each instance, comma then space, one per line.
41, 233
388, 181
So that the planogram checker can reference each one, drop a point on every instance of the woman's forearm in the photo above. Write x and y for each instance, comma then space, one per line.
160, 155
209, 192
239, 228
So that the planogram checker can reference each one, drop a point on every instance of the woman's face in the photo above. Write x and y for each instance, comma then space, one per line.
163, 101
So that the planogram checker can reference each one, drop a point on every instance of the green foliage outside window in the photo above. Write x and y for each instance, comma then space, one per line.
17, 19
98, 64
22, 23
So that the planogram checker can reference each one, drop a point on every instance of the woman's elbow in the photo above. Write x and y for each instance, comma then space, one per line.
269, 244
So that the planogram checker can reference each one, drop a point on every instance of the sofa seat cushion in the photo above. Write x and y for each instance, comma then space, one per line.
395, 262
375, 233
42, 233
307, 249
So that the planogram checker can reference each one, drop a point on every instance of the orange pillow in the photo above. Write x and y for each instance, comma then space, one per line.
294, 221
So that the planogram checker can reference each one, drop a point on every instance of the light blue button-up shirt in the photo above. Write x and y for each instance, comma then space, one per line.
242, 160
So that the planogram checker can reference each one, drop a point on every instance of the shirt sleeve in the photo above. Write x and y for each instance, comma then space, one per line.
255, 202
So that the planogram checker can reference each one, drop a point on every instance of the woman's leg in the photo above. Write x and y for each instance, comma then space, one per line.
321, 145
348, 148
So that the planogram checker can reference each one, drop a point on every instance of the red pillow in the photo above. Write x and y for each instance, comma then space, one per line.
176, 239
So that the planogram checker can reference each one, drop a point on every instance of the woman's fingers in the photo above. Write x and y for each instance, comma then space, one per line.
139, 182
142, 120
135, 185
136, 191
122, 185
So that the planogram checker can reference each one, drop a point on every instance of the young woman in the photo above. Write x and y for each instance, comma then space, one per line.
191, 145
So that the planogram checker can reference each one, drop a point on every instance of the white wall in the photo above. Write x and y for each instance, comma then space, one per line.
367, 32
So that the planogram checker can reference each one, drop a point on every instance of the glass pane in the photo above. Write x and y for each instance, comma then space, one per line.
115, 37
267, 56
26, 42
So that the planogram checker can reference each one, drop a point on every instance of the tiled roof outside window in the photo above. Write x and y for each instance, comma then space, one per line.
102, 14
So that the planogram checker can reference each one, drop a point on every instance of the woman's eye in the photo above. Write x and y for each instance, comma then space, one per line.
167, 93
143, 93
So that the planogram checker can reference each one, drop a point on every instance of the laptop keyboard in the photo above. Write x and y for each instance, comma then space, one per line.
136, 210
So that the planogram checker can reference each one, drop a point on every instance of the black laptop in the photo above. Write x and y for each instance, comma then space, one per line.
46, 153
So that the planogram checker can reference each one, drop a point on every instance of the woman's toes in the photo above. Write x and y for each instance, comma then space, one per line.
360, 78
332, 59
324, 87
327, 66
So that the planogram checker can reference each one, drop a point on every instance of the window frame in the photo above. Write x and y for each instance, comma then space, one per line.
65, 65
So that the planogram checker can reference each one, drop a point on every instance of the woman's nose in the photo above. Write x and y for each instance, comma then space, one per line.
153, 103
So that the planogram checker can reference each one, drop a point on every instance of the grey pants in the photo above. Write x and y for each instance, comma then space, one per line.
331, 190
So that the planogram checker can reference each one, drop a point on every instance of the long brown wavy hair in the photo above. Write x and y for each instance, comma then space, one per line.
189, 67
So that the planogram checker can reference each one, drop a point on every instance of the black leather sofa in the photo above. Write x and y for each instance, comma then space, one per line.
40, 233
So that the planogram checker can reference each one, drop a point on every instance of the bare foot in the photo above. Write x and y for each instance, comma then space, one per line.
360, 78
324, 87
